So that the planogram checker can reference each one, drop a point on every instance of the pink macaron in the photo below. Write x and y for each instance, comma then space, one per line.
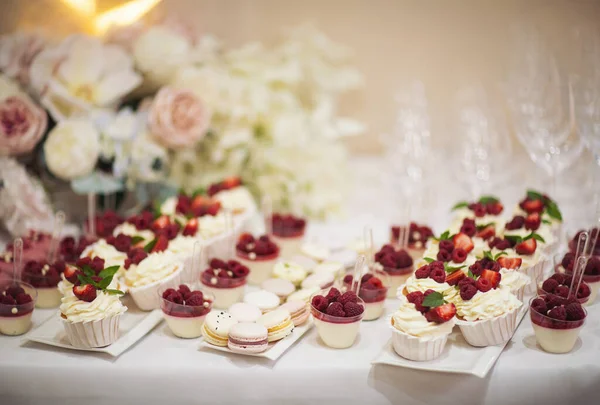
247, 338
298, 311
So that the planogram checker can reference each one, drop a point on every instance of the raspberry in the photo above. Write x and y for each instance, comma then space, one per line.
388, 260
550, 285
568, 260
333, 295
336, 309
494, 266
483, 285
553, 300
193, 294
447, 246
174, 297
516, 223
479, 210
562, 290
430, 316
172, 230
23, 299
593, 265
403, 259
8, 300
261, 248
195, 301
122, 243
574, 311
320, 303
444, 256
223, 274
436, 265
558, 313
469, 230
241, 271
373, 284
568, 280
467, 291
467, 280
427, 292
352, 309
584, 291
459, 255
438, 275
559, 278
218, 264
14, 290
348, 296
97, 264
184, 289
415, 296
168, 292
539, 305
387, 248
476, 268
84, 261
364, 278
423, 272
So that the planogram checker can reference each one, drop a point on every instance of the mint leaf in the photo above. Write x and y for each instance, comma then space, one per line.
499, 254
114, 292
487, 199
105, 282
462, 204
471, 275
429, 259
109, 271
482, 227
83, 279
433, 300
534, 195
545, 221
87, 270
535, 236
552, 210
513, 238
450, 269
488, 254
199, 191
136, 239
148, 248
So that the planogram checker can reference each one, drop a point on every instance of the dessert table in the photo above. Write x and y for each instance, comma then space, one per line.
161, 368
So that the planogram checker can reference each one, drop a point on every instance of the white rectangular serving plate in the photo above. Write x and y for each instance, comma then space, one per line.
458, 356
133, 326
276, 349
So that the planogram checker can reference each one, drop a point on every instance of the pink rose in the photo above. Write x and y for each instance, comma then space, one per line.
17, 51
178, 118
22, 124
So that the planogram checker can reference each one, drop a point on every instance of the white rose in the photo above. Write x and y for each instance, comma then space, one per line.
149, 160
72, 148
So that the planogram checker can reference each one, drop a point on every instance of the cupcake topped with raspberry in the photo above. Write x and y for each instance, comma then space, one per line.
432, 276
485, 211
453, 249
507, 269
523, 226
542, 204
393, 261
424, 314
418, 235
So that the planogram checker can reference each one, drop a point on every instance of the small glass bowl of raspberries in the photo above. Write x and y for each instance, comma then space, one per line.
591, 274
398, 264
560, 284
17, 301
184, 309
337, 317
373, 291
556, 322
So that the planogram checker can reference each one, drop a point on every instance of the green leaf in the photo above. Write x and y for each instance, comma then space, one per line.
499, 254
487, 199
429, 259
199, 191
181, 224
109, 271
444, 236
150, 245
83, 279
87, 270
513, 238
471, 275
450, 269
534, 195
482, 227
462, 204
105, 282
488, 254
545, 221
535, 236
114, 292
433, 300
552, 210
136, 239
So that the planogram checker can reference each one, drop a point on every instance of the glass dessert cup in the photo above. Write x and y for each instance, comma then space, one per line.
593, 281
374, 299
396, 278
582, 300
289, 242
260, 267
16, 319
185, 321
225, 291
48, 294
337, 332
553, 335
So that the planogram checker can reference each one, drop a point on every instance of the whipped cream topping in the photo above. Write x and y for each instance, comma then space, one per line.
410, 321
111, 256
423, 284
209, 226
169, 206
488, 305
237, 200
527, 261
513, 280
182, 245
129, 229
155, 267
104, 306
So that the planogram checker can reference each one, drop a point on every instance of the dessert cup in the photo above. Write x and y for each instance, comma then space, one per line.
48, 294
583, 301
146, 297
337, 332
185, 321
374, 299
260, 267
396, 278
593, 281
417, 348
489, 332
553, 335
226, 291
16, 319
100, 333
289, 245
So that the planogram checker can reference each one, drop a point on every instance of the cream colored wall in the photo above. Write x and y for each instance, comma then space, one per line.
446, 44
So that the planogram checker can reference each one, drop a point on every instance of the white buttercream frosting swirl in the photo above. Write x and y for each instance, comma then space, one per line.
111, 256
210, 226
156, 267
237, 200
103, 306
488, 305
182, 245
423, 284
514, 280
410, 321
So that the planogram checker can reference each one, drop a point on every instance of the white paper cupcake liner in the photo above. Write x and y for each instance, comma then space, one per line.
490, 332
417, 348
536, 274
146, 297
98, 333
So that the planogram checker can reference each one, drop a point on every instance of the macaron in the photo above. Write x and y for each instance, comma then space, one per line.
216, 327
316, 252
306, 262
248, 337
278, 286
245, 312
265, 301
304, 294
278, 323
298, 311
329, 267
321, 280
290, 271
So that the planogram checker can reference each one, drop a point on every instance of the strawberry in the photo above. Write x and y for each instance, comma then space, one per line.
494, 208
526, 247
512, 263
531, 206
198, 203
85, 292
71, 273
492, 276
191, 227
161, 244
213, 208
463, 241
160, 223
231, 182
533, 221
455, 277
441, 314
487, 232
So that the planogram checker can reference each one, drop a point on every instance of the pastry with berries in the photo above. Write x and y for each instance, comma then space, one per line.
17, 302
337, 317
44, 278
480, 234
91, 310
546, 207
522, 226
226, 281
397, 264
560, 284
373, 291
487, 314
288, 233
487, 211
418, 236
436, 276
184, 309
456, 250
421, 325
556, 322
258, 254
591, 274
511, 277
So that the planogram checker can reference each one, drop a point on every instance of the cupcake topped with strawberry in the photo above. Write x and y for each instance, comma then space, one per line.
479, 234
233, 195
485, 211
524, 247
432, 306
452, 249
522, 226
542, 204
507, 269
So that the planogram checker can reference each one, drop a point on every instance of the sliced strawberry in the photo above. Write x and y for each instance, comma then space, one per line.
463, 241
492, 276
455, 277
231, 182
531, 206
511, 263
85, 292
213, 208
199, 202
441, 314
71, 273
533, 221
526, 247
191, 227
487, 232
160, 223
162, 243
